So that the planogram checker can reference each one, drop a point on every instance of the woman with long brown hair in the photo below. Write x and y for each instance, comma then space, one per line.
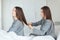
19, 20
47, 25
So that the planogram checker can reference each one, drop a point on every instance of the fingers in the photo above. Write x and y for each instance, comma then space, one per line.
30, 25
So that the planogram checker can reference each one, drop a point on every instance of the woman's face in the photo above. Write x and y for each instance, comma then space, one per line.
42, 13
14, 12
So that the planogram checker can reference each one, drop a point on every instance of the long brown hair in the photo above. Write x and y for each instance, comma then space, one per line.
47, 12
20, 14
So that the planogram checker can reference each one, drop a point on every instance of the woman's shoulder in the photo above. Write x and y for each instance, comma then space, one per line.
49, 21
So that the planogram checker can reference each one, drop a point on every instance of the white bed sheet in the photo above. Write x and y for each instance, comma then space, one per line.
12, 36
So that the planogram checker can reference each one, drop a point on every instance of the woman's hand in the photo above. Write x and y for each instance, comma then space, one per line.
30, 25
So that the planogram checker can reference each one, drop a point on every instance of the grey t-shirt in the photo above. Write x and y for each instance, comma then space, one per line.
47, 28
17, 27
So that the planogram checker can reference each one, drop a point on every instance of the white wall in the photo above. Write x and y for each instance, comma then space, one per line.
37, 8
0, 15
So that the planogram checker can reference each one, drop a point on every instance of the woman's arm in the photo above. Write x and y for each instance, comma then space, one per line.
35, 24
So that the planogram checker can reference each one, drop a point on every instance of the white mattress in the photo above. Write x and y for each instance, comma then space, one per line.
12, 36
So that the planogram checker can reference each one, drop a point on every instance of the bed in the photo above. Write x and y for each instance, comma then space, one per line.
12, 36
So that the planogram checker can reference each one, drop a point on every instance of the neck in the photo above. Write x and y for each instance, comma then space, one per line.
15, 18
44, 17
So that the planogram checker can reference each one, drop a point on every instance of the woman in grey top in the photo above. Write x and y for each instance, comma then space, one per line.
47, 25
19, 20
